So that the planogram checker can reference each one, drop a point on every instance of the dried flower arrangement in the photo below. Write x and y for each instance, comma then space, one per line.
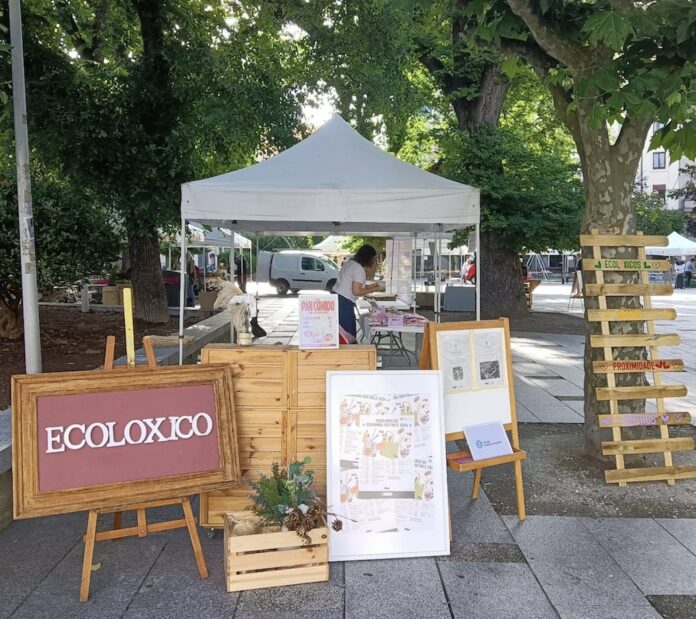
286, 500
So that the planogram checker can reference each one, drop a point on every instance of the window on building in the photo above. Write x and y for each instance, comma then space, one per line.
660, 190
659, 160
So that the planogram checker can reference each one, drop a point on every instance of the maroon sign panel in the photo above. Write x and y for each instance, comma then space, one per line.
93, 439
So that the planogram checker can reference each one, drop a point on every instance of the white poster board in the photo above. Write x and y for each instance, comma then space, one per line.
474, 367
386, 468
318, 320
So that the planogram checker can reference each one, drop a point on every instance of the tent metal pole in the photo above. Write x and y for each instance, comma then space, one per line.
182, 290
413, 273
437, 275
477, 263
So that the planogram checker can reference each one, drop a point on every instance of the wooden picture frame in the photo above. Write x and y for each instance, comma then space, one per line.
38, 398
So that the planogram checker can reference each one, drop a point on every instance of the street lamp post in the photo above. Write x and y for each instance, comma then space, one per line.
30, 301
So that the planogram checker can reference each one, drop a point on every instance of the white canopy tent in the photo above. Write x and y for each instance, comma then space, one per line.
215, 237
678, 246
333, 182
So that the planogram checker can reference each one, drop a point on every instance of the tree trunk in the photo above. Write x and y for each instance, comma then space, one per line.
502, 291
146, 275
10, 298
9, 322
608, 176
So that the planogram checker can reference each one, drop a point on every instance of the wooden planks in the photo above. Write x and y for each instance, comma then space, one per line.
654, 473
280, 397
631, 315
274, 559
629, 420
618, 264
623, 240
621, 366
638, 340
627, 290
641, 393
610, 367
647, 446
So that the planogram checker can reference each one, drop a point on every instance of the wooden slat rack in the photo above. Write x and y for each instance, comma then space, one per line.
654, 365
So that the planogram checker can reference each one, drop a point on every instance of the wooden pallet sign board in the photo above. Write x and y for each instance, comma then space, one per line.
623, 240
624, 366
478, 388
610, 367
95, 440
630, 315
634, 340
617, 264
627, 290
280, 402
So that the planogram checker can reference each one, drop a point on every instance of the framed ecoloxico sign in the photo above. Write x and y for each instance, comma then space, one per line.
95, 440
386, 471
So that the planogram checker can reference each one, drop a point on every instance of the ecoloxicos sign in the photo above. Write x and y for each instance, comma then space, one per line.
91, 440
135, 432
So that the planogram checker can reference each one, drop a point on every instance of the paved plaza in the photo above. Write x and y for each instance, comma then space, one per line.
548, 566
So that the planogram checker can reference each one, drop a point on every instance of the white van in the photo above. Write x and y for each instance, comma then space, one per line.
295, 270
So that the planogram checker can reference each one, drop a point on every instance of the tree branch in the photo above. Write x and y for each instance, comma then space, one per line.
437, 69
569, 53
631, 140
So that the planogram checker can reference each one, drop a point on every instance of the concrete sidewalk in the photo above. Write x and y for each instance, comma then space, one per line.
545, 567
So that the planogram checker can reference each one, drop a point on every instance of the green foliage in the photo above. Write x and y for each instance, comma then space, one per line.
620, 61
533, 202
75, 236
653, 218
688, 191
283, 492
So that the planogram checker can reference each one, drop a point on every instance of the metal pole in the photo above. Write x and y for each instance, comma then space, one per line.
182, 290
477, 262
437, 275
30, 297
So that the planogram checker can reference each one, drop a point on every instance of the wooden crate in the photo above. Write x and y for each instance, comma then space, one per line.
280, 403
274, 559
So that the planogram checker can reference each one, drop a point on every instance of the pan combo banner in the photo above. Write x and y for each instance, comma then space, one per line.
94, 440
386, 464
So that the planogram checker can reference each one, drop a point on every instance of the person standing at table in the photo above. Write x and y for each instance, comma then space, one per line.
350, 285
689, 272
241, 270
680, 269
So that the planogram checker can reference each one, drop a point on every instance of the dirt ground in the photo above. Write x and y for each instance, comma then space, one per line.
559, 480
71, 340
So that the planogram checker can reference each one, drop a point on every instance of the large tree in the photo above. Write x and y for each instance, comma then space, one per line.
613, 67
134, 97
403, 69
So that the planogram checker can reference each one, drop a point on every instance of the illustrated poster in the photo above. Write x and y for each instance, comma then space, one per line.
386, 465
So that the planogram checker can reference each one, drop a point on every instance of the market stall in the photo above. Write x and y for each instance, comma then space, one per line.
333, 182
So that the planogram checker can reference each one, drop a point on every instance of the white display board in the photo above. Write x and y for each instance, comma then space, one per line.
476, 379
386, 468
318, 320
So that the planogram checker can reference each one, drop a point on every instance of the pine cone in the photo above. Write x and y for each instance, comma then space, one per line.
337, 525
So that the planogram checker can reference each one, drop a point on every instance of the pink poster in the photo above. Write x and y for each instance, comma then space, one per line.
120, 436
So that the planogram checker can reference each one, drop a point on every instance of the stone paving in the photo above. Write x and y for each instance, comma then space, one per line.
544, 567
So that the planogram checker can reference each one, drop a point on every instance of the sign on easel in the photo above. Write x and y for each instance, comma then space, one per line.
318, 320
93, 440
475, 361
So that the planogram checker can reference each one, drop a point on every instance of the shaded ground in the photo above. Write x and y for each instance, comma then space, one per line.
559, 480
71, 340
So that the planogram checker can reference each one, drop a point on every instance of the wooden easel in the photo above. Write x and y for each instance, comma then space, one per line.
142, 528
608, 341
461, 460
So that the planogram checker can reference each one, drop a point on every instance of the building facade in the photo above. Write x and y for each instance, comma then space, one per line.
657, 173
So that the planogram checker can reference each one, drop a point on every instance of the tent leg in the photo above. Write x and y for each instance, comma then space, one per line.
477, 262
182, 290
437, 276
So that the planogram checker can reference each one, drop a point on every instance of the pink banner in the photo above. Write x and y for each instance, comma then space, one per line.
117, 436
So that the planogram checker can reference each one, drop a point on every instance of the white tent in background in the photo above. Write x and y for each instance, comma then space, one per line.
333, 182
215, 237
333, 246
678, 246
